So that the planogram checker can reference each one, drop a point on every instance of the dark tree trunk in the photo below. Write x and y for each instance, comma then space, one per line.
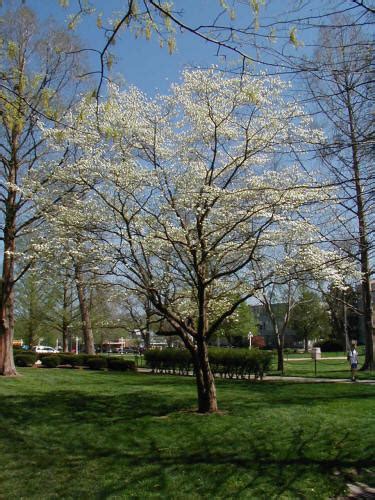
85, 315
280, 352
65, 325
7, 366
363, 240
207, 401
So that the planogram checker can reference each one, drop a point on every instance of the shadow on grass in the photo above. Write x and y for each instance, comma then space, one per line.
140, 444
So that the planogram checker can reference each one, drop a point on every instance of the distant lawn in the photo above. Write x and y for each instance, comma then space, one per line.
97, 435
328, 367
301, 365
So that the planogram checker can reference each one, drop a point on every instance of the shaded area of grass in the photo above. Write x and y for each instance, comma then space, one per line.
77, 434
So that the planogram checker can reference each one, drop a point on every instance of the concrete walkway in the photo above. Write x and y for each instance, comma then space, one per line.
330, 358
318, 379
282, 378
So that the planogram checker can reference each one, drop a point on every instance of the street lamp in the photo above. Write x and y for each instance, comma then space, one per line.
77, 341
250, 336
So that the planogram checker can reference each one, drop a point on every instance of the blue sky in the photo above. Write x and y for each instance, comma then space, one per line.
144, 64
141, 62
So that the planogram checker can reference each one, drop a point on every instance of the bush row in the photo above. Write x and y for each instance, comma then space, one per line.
92, 362
227, 363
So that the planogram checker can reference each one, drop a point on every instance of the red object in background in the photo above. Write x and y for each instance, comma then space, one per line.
258, 341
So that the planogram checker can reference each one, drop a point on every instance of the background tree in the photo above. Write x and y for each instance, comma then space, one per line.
344, 314
309, 318
236, 327
32, 305
341, 87
37, 82
278, 300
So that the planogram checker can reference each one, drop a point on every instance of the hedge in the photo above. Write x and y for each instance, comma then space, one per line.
96, 363
25, 358
68, 358
120, 364
226, 363
169, 360
50, 361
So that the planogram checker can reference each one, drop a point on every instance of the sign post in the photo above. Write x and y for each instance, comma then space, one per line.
250, 336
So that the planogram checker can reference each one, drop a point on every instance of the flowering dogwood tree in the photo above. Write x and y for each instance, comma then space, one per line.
191, 192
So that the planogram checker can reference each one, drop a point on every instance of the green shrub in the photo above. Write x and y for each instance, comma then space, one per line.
121, 364
25, 358
67, 358
96, 362
78, 359
50, 361
227, 363
169, 360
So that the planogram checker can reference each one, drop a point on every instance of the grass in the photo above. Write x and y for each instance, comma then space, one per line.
95, 435
301, 365
328, 367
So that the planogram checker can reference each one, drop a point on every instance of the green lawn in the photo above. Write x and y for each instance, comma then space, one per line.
301, 365
92, 435
328, 367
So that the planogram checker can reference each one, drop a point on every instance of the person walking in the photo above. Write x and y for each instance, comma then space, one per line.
353, 360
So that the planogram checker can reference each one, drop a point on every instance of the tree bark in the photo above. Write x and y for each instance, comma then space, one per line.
84, 309
7, 366
65, 325
363, 245
280, 352
207, 400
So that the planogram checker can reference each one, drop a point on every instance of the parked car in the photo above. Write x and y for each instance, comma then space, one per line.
44, 349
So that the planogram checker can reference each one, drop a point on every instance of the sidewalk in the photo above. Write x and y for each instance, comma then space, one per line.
318, 379
328, 358
281, 378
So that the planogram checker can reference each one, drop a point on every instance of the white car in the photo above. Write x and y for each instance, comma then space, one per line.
44, 349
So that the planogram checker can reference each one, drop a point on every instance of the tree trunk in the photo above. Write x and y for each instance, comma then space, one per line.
84, 309
65, 325
7, 366
306, 341
280, 353
207, 401
369, 330
363, 240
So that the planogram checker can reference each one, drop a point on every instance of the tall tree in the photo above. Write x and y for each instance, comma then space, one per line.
341, 86
309, 318
36, 84
189, 199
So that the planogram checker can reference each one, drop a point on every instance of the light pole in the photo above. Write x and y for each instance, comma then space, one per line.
122, 345
250, 336
77, 341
